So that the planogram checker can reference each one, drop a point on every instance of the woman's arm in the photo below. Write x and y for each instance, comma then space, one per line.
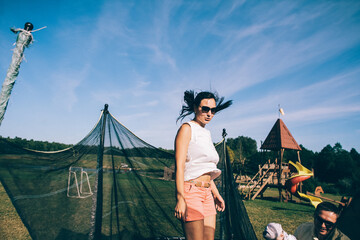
219, 201
181, 146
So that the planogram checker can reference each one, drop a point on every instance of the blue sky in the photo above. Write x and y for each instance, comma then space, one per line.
140, 56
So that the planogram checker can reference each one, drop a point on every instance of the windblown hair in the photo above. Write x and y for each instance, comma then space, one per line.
327, 206
191, 101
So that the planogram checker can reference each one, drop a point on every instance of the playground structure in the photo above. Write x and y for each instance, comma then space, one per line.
277, 174
287, 177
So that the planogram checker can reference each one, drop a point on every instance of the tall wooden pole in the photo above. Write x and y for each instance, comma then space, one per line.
280, 172
300, 184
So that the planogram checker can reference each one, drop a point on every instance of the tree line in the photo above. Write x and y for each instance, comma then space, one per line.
335, 169
37, 145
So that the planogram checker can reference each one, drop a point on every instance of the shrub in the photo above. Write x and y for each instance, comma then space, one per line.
310, 185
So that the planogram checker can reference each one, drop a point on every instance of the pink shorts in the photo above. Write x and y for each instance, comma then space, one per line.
199, 202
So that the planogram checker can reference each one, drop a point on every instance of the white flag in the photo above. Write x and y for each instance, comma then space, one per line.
281, 111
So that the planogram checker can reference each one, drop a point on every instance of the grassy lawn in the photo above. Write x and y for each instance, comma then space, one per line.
261, 212
11, 226
290, 215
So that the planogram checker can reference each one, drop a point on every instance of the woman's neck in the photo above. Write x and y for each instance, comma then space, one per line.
200, 123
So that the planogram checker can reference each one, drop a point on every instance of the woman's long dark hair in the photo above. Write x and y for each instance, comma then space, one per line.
191, 101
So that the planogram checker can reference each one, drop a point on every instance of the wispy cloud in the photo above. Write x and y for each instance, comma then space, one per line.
269, 47
331, 99
161, 57
109, 26
323, 113
65, 84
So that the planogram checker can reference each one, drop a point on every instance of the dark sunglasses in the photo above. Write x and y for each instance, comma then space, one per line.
327, 223
206, 109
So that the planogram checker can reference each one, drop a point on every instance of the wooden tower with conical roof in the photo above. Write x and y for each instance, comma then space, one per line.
279, 139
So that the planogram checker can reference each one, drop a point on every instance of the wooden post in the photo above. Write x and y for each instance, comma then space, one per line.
279, 176
300, 184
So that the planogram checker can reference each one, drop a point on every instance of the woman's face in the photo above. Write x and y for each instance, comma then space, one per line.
205, 111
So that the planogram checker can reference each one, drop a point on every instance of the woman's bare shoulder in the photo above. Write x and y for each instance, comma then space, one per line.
185, 128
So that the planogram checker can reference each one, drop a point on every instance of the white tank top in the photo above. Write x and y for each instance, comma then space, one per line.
202, 156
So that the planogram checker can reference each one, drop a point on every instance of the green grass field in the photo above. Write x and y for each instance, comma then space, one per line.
260, 211
11, 226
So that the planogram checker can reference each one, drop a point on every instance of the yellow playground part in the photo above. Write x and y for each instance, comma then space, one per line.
313, 200
301, 170
302, 173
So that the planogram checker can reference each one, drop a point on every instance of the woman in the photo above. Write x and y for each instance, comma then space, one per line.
196, 158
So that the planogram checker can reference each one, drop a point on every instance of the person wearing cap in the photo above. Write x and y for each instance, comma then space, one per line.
274, 231
324, 225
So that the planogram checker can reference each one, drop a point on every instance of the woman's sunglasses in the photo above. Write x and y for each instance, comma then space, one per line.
205, 109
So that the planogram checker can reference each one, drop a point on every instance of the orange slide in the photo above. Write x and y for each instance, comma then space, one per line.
302, 173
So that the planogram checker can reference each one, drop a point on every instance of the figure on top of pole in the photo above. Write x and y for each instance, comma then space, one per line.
24, 39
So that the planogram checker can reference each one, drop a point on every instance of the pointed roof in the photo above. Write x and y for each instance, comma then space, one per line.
280, 137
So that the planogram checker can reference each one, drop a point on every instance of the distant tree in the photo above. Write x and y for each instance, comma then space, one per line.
333, 164
252, 163
338, 148
307, 157
235, 162
355, 156
167, 150
243, 148
324, 163
231, 154
290, 155
37, 145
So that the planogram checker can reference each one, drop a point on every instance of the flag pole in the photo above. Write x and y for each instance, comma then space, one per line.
281, 111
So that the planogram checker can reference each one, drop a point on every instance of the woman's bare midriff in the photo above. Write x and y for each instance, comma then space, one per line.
204, 178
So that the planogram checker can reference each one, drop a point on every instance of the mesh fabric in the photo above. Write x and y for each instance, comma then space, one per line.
111, 185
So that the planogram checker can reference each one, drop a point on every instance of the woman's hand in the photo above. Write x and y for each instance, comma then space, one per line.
180, 209
219, 203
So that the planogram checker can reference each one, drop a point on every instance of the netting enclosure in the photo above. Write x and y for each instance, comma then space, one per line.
111, 185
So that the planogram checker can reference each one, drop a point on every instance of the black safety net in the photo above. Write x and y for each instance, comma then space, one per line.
111, 185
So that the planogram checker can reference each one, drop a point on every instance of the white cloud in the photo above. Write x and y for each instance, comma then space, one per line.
159, 56
323, 113
142, 84
274, 45
65, 84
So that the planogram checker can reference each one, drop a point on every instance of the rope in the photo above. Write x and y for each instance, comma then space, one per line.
38, 29
63, 150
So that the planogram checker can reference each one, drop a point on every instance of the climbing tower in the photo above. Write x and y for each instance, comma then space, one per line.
278, 139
